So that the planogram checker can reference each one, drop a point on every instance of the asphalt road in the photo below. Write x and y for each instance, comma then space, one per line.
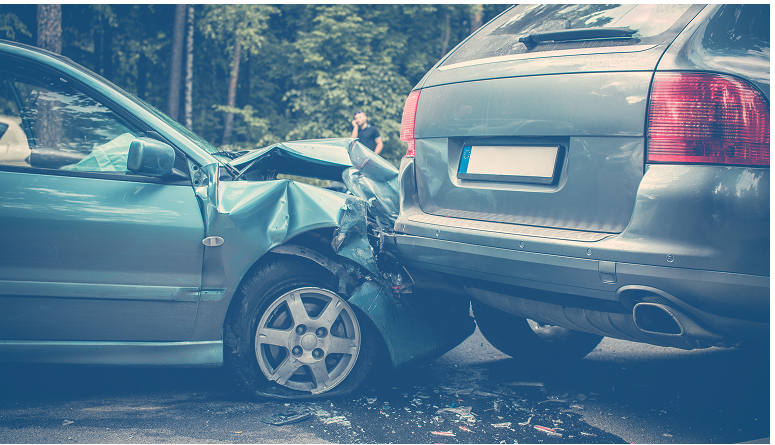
620, 393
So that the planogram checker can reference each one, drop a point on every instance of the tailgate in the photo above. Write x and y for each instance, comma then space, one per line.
562, 151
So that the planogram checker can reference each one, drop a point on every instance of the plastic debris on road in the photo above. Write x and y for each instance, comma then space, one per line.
67, 422
460, 410
443, 433
543, 428
547, 430
288, 417
341, 420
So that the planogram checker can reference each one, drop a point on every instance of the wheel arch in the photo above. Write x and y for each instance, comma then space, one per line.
314, 246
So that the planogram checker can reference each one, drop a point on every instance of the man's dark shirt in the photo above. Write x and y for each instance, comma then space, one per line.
368, 136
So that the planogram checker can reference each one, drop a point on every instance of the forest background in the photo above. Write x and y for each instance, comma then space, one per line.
246, 76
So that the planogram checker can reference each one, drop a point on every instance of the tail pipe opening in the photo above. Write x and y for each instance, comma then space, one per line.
654, 318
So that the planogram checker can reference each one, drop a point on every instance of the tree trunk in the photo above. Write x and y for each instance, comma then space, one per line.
107, 49
445, 42
50, 27
97, 36
477, 14
188, 107
176, 62
227, 125
49, 126
243, 88
142, 76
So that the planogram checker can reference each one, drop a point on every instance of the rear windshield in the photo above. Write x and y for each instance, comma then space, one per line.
652, 24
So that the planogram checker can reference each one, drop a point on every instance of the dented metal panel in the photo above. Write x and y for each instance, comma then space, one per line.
320, 158
255, 217
415, 325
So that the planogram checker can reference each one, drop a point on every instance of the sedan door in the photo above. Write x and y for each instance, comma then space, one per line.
90, 251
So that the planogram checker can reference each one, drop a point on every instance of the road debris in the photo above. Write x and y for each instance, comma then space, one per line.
548, 431
288, 416
443, 433
67, 422
469, 418
484, 394
485, 414
341, 420
460, 410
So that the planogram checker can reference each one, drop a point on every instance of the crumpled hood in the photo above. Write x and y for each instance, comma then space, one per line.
366, 174
255, 216
316, 158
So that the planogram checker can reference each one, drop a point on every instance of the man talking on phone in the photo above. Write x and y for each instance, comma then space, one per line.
366, 134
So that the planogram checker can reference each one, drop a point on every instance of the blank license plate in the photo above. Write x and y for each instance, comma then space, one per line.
534, 164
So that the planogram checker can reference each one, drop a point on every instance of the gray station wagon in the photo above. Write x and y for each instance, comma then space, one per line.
597, 170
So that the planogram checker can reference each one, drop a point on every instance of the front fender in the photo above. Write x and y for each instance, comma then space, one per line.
421, 325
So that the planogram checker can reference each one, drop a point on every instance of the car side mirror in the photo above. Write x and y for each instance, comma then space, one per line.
150, 157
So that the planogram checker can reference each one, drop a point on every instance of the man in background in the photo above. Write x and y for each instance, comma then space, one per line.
366, 134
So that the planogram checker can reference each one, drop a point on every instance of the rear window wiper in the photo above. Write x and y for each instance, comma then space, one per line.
566, 35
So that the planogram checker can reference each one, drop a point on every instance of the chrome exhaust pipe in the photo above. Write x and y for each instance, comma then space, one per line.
654, 318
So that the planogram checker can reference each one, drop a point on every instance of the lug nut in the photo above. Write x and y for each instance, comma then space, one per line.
301, 329
321, 332
317, 353
296, 350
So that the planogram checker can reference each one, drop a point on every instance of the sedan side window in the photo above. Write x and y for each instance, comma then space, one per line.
53, 125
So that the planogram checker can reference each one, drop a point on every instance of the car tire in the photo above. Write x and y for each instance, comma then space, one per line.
275, 347
523, 338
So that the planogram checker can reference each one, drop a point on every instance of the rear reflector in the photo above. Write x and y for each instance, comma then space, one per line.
707, 118
407, 121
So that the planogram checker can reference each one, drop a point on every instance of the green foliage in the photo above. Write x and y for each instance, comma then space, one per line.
245, 22
305, 68
254, 129
10, 25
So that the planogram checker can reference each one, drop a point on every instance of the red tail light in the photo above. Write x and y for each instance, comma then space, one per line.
407, 121
707, 118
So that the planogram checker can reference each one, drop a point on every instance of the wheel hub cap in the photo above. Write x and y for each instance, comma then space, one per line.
309, 342
308, 339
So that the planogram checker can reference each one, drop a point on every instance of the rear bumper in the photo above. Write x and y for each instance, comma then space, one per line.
744, 313
667, 250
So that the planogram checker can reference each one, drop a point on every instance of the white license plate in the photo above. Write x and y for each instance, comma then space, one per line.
535, 164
